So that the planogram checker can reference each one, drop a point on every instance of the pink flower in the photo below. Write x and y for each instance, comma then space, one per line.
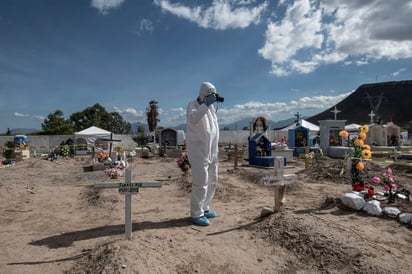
389, 171
376, 180
391, 180
386, 188
394, 187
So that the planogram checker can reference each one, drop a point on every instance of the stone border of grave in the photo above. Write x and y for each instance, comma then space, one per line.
355, 201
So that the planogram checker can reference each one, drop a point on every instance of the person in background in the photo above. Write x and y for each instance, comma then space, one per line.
202, 138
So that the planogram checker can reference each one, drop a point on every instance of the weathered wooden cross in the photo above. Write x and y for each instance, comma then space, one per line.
128, 189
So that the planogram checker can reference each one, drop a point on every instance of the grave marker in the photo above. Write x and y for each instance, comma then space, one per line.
335, 111
128, 189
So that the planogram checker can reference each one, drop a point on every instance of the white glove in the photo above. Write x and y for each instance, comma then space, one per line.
210, 99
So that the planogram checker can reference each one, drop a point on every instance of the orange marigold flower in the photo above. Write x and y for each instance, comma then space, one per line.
366, 154
364, 128
344, 134
358, 142
360, 166
366, 147
362, 135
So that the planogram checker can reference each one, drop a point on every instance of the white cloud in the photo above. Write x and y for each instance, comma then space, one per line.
221, 15
144, 25
18, 114
312, 33
33, 117
131, 114
103, 6
396, 73
300, 29
275, 111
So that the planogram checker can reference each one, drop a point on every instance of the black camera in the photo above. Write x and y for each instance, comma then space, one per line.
219, 98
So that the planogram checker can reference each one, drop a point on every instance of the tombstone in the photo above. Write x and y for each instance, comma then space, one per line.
170, 139
260, 151
331, 143
393, 133
377, 135
298, 139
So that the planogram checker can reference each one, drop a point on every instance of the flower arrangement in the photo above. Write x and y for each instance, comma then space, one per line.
101, 156
183, 163
65, 150
362, 152
388, 181
114, 172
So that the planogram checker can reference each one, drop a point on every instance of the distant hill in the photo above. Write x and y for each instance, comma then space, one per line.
390, 101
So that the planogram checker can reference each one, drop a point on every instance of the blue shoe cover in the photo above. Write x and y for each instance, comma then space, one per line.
210, 214
202, 221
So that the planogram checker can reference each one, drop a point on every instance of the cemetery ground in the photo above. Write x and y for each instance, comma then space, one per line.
53, 220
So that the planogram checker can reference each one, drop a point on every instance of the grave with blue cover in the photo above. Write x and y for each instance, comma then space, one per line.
260, 151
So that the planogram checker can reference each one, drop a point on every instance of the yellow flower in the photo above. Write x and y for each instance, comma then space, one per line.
358, 142
360, 166
366, 147
343, 133
366, 154
364, 129
362, 135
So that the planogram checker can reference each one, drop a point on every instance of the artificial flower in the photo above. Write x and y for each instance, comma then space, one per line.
362, 135
366, 154
358, 142
366, 147
364, 128
357, 187
376, 180
360, 166
344, 134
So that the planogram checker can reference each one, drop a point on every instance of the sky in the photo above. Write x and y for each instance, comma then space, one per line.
266, 58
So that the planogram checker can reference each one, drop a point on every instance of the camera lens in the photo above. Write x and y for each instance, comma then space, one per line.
219, 98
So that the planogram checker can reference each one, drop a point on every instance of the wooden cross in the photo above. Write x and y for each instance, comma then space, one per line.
128, 189
371, 115
335, 111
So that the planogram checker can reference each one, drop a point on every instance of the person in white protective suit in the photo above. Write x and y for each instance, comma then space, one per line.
202, 138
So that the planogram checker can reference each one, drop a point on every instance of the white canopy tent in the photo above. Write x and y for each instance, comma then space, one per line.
90, 135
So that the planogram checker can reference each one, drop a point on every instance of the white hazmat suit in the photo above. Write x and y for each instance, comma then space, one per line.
202, 138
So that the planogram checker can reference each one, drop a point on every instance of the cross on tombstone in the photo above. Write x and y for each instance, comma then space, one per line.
371, 115
335, 111
298, 117
128, 188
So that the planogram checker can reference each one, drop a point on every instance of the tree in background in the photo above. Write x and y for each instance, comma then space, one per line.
152, 113
140, 137
97, 115
117, 125
56, 124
